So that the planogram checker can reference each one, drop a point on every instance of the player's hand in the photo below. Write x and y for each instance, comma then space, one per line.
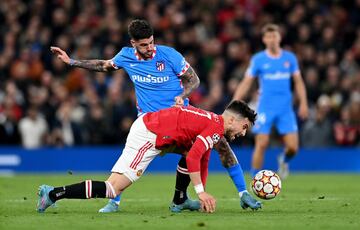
179, 101
61, 54
208, 202
303, 111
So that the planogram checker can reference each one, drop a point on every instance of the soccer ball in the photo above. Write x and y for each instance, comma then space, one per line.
266, 184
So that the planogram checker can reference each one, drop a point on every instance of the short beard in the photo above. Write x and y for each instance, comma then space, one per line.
227, 136
143, 55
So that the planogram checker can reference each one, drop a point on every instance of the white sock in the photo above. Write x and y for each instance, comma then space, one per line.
241, 193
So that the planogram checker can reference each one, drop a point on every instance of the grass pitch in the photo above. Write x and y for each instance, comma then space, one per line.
307, 201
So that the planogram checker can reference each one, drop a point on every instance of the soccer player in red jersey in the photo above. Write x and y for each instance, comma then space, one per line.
187, 130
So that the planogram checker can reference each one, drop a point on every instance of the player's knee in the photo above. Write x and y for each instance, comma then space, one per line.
262, 144
182, 167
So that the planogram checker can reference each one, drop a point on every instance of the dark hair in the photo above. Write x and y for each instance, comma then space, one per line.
140, 29
243, 109
270, 28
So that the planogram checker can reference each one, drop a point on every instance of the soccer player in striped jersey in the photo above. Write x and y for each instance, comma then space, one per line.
162, 78
192, 131
275, 67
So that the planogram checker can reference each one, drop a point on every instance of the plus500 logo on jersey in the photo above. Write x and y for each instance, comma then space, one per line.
150, 79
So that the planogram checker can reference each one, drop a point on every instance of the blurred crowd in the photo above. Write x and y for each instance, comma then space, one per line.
44, 102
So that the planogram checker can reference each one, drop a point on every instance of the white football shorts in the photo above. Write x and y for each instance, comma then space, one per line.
139, 151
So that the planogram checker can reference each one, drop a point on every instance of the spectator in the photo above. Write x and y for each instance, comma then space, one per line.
345, 132
33, 129
317, 130
9, 133
96, 127
65, 132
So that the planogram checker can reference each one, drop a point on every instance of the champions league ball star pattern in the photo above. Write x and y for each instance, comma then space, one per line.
266, 184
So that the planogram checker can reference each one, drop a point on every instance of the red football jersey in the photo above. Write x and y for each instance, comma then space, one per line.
189, 128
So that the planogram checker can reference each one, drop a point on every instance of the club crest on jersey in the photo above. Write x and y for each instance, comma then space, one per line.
216, 138
286, 64
139, 172
160, 65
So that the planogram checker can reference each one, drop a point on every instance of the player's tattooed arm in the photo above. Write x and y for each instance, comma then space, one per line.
190, 81
95, 65
227, 156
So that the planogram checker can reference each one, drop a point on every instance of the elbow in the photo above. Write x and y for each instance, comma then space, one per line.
197, 83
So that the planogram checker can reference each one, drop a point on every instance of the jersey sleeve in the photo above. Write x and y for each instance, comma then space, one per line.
193, 158
294, 65
204, 142
178, 62
204, 166
252, 70
117, 61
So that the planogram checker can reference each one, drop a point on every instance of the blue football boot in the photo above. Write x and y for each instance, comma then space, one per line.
247, 201
188, 204
44, 200
111, 206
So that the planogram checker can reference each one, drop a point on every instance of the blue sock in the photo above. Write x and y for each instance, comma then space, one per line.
117, 199
237, 176
288, 157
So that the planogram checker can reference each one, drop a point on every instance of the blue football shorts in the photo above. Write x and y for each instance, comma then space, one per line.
283, 119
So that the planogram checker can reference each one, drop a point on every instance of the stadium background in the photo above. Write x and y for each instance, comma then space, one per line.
77, 108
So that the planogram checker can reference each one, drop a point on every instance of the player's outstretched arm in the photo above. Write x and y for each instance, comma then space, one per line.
227, 155
190, 81
94, 65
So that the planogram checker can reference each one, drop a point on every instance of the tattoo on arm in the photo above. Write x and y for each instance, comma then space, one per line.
94, 65
190, 81
227, 156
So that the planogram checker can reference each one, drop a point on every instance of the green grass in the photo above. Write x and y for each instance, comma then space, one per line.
307, 201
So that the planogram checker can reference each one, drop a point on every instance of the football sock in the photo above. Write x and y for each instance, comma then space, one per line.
237, 175
83, 190
288, 157
182, 182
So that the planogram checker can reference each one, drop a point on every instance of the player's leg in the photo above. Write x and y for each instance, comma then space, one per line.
182, 182
87, 189
287, 127
181, 200
112, 205
261, 143
261, 130
291, 142
48, 195
232, 166
137, 148
139, 151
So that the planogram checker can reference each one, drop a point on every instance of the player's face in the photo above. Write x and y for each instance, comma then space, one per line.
144, 47
272, 40
237, 128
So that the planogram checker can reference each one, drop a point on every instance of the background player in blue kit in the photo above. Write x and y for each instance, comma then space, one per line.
275, 68
162, 78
